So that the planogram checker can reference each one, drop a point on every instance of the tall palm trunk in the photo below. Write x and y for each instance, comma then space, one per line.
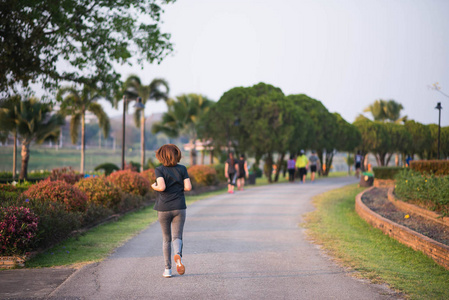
25, 158
83, 141
142, 142
193, 153
14, 157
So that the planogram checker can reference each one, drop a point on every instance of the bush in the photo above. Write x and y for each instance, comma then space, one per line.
100, 191
149, 174
107, 167
219, 168
132, 166
130, 182
58, 191
436, 167
386, 172
66, 174
18, 230
202, 175
429, 191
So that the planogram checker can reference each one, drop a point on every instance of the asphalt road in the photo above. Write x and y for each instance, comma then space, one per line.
246, 245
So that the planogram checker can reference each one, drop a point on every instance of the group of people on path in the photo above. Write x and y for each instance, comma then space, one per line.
236, 170
298, 167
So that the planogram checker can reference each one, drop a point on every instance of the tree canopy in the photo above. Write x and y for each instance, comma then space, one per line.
87, 37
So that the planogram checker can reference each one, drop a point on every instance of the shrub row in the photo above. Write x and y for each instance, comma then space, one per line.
386, 172
436, 167
203, 175
428, 191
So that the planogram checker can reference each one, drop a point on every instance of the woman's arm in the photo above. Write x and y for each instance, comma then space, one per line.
246, 169
159, 185
187, 184
226, 170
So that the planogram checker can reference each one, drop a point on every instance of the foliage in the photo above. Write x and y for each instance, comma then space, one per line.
89, 37
18, 230
34, 122
436, 167
149, 174
183, 118
130, 182
432, 151
107, 167
375, 139
219, 169
383, 110
66, 174
386, 172
132, 166
421, 138
429, 191
100, 191
202, 175
57, 191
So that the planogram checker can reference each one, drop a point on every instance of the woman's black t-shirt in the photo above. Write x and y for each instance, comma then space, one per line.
173, 197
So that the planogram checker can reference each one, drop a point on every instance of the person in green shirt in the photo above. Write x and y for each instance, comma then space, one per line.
302, 163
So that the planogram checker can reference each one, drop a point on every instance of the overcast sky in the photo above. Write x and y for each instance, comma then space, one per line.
345, 53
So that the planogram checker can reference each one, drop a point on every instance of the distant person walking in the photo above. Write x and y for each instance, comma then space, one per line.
358, 163
171, 182
302, 163
243, 172
231, 169
291, 168
313, 159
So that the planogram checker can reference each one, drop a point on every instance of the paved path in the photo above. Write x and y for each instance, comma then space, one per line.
242, 246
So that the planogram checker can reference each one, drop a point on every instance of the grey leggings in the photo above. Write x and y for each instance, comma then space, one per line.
172, 225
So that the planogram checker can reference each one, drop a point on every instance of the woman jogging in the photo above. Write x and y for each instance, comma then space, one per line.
171, 182
243, 172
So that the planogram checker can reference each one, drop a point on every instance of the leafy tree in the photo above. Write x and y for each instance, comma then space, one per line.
8, 124
432, 152
383, 110
183, 118
35, 122
89, 36
401, 140
76, 103
157, 90
421, 138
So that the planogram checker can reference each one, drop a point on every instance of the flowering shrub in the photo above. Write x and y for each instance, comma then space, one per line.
18, 229
202, 175
58, 191
100, 191
437, 167
66, 174
130, 182
149, 174
429, 191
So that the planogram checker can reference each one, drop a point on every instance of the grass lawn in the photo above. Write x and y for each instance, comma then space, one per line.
337, 227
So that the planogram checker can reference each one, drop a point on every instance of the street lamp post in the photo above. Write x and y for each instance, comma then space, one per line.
439, 107
138, 105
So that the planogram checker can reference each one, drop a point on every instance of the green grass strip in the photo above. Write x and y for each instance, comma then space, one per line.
99, 242
353, 242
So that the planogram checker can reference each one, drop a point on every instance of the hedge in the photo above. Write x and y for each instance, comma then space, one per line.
386, 172
436, 167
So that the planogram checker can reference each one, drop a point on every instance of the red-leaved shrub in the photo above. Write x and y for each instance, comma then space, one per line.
58, 191
100, 191
130, 182
202, 175
149, 174
18, 229
66, 174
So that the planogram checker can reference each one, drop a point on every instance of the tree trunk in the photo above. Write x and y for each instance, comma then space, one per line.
329, 159
83, 141
14, 157
396, 160
99, 139
389, 156
202, 157
211, 157
365, 162
322, 163
142, 142
193, 153
268, 168
25, 158
279, 166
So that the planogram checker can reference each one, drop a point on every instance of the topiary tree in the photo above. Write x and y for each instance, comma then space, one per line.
108, 168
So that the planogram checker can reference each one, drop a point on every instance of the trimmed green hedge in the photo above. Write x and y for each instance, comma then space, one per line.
386, 172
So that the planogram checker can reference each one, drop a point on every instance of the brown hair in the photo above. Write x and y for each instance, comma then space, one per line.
169, 155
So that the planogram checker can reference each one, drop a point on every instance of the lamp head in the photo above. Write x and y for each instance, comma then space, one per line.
139, 104
439, 106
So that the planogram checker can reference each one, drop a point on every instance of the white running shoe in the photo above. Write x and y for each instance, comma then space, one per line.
167, 273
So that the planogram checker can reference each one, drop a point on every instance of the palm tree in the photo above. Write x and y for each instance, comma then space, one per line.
8, 118
157, 90
35, 121
383, 110
76, 103
183, 117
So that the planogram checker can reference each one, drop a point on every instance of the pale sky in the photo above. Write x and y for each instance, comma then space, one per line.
345, 53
